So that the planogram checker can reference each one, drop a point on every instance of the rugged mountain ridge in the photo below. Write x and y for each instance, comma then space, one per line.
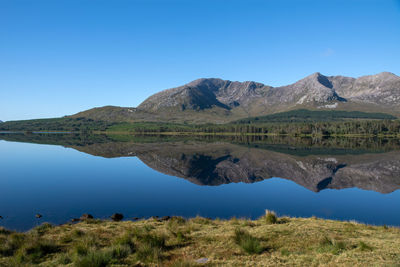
216, 100
220, 163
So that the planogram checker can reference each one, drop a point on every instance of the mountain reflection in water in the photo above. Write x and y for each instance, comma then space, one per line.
316, 164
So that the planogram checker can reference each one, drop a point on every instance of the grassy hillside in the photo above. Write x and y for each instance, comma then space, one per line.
304, 115
268, 241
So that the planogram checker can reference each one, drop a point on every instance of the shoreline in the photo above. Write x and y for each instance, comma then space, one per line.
88, 217
175, 241
207, 134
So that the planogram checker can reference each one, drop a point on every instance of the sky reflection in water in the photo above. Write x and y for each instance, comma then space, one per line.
63, 183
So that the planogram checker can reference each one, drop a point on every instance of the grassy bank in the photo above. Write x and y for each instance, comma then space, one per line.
268, 241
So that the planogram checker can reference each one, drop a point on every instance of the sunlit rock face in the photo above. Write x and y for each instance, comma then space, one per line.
316, 89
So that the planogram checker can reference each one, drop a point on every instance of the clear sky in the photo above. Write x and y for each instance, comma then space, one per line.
59, 57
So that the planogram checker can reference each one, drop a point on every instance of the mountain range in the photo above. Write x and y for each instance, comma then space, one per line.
219, 101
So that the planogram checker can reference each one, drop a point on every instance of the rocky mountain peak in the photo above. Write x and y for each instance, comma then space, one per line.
207, 84
380, 89
380, 77
387, 74
313, 89
210, 82
217, 100
316, 79
203, 93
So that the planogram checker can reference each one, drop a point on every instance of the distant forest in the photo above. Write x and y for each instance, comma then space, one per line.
304, 115
295, 123
384, 127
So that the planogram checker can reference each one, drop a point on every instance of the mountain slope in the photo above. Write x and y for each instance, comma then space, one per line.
383, 88
205, 93
218, 101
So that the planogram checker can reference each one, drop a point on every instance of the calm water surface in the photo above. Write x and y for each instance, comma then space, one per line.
211, 179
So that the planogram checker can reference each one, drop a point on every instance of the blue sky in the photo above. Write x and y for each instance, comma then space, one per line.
61, 57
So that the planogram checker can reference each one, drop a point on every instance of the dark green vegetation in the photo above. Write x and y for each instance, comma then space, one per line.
202, 242
365, 128
295, 123
304, 115
247, 242
56, 124
300, 146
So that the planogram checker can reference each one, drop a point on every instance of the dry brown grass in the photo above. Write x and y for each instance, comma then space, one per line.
177, 242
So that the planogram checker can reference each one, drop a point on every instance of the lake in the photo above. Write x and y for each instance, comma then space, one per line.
62, 176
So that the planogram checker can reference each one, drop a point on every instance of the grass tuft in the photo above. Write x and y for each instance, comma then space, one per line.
201, 220
331, 246
120, 251
95, 258
270, 217
13, 242
93, 221
42, 229
125, 240
150, 246
180, 237
247, 242
148, 253
64, 259
36, 249
78, 233
81, 249
183, 263
364, 247
153, 240
285, 252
